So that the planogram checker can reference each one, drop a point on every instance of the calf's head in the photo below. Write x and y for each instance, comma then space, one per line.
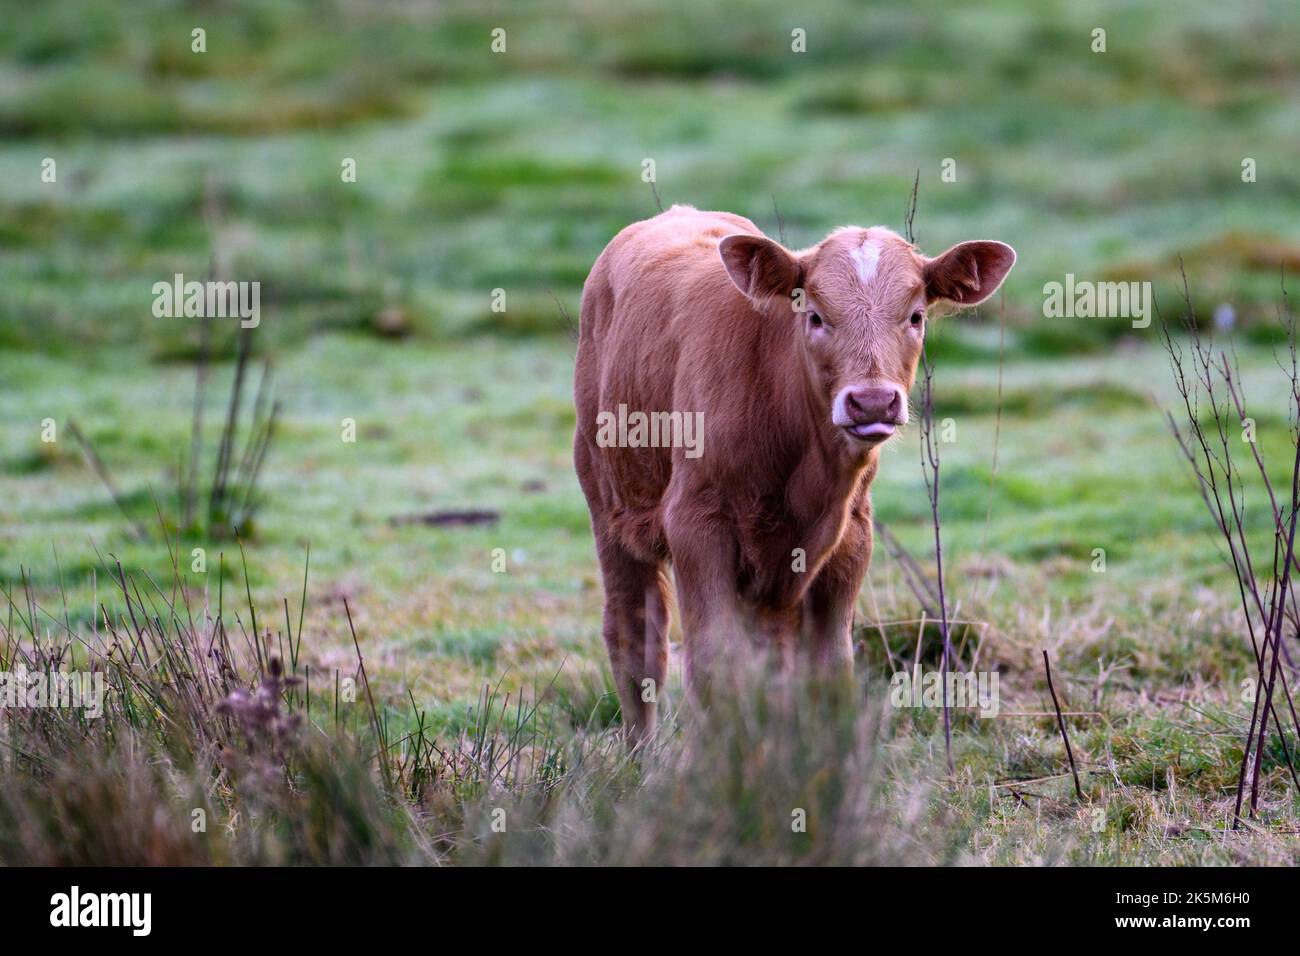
860, 299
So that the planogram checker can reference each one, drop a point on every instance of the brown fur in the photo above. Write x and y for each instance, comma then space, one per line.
675, 318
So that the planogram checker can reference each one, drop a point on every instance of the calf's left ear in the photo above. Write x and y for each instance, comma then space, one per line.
969, 272
758, 266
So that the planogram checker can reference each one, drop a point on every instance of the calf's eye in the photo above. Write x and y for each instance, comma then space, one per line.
917, 318
814, 320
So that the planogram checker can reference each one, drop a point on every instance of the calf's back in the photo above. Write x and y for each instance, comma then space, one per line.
663, 329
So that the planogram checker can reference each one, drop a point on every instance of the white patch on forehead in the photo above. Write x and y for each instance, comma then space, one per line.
866, 258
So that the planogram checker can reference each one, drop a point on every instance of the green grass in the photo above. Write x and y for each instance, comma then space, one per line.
478, 172
436, 619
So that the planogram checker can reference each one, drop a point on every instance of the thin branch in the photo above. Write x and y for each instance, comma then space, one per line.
101, 470
1060, 722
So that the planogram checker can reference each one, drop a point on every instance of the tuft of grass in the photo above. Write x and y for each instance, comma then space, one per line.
217, 742
226, 737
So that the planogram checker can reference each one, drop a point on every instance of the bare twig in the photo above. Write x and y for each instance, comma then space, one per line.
217, 500
913, 575
571, 325
909, 221
101, 470
1060, 722
930, 471
1209, 451
780, 220
374, 714
654, 189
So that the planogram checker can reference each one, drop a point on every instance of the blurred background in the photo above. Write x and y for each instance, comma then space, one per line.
479, 170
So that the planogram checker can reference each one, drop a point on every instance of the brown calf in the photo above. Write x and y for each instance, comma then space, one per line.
732, 397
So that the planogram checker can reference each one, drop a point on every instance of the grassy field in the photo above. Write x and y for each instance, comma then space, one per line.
481, 171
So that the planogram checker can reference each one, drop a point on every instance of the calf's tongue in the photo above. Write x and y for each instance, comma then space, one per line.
872, 430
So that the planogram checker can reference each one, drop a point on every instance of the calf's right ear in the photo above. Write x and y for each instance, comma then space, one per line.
758, 266
969, 272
